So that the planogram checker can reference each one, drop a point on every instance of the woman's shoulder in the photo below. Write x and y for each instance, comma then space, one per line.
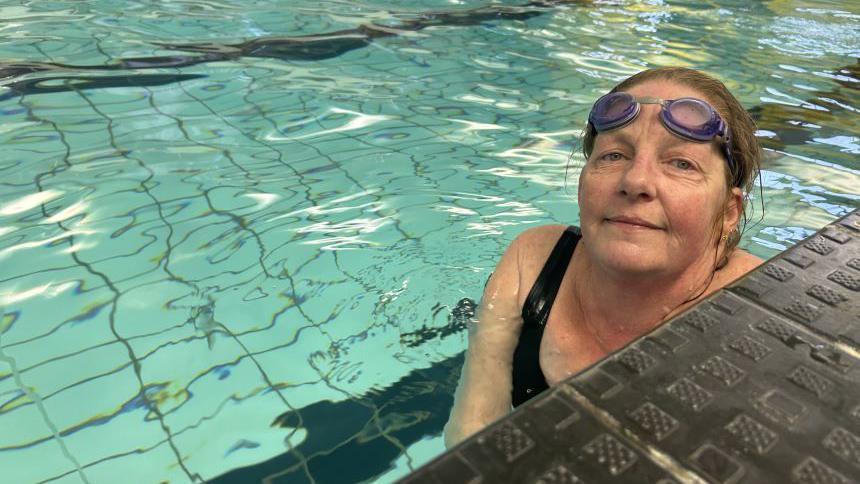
536, 243
534, 246
541, 236
743, 261
531, 244
740, 262
521, 262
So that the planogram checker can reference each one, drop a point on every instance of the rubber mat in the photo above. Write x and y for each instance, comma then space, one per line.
758, 383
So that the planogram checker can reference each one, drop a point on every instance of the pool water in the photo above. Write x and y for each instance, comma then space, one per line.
232, 234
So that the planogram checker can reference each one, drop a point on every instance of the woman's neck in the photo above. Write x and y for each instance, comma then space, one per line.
617, 307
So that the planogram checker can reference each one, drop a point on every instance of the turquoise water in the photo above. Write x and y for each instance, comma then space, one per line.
239, 261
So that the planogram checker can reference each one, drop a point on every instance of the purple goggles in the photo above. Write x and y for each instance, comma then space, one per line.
687, 117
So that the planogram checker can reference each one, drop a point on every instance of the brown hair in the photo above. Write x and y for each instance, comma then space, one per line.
746, 150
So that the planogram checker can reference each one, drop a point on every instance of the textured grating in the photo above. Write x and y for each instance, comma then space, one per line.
559, 474
777, 329
812, 471
611, 453
844, 444
854, 264
511, 441
700, 321
798, 259
668, 339
845, 279
453, 468
778, 273
602, 384
826, 295
690, 393
779, 407
728, 304
850, 222
716, 464
819, 245
755, 286
752, 435
835, 235
808, 379
806, 312
636, 360
750, 348
654, 420
555, 411
722, 370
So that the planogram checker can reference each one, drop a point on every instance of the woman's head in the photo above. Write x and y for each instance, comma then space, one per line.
696, 207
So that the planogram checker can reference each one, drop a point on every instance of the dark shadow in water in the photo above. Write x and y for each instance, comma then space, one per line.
74, 83
345, 441
299, 48
11, 70
333, 44
791, 123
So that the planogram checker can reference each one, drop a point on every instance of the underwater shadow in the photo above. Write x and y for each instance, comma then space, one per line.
74, 83
790, 124
295, 48
357, 434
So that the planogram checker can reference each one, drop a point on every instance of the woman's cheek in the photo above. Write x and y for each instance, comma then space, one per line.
692, 219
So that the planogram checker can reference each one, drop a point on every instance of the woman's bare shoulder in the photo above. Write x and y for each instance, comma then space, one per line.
535, 245
532, 243
544, 230
542, 238
740, 262
745, 261
518, 268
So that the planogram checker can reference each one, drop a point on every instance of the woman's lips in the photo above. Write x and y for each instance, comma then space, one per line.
633, 222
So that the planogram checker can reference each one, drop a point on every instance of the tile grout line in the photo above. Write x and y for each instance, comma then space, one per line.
41, 407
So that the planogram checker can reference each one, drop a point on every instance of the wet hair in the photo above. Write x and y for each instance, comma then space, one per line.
746, 150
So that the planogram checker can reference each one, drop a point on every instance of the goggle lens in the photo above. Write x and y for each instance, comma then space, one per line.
613, 110
690, 112
616, 106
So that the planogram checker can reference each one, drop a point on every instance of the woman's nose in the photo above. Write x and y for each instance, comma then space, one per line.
638, 179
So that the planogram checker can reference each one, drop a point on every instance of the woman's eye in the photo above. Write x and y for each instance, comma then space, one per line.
683, 164
613, 156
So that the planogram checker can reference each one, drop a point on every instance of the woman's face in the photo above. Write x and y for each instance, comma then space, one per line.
649, 200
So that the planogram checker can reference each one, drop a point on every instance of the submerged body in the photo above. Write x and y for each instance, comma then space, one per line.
656, 216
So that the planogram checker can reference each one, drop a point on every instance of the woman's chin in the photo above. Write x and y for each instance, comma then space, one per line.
627, 258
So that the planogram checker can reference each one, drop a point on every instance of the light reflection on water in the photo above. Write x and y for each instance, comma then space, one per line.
286, 233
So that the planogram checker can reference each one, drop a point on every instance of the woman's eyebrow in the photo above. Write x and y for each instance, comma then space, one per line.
672, 142
617, 136
622, 136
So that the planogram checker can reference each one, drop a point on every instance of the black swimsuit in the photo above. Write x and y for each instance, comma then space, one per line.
528, 377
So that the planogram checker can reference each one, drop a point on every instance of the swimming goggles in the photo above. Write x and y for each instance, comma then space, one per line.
687, 117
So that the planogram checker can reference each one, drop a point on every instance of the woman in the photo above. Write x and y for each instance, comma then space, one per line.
671, 155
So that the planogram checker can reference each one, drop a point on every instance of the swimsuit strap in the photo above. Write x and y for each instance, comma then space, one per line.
528, 378
539, 301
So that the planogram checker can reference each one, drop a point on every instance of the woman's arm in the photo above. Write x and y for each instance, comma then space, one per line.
484, 392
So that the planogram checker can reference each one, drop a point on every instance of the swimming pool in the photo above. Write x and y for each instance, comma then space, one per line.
232, 233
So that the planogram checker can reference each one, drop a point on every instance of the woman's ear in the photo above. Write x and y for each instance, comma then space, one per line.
733, 211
